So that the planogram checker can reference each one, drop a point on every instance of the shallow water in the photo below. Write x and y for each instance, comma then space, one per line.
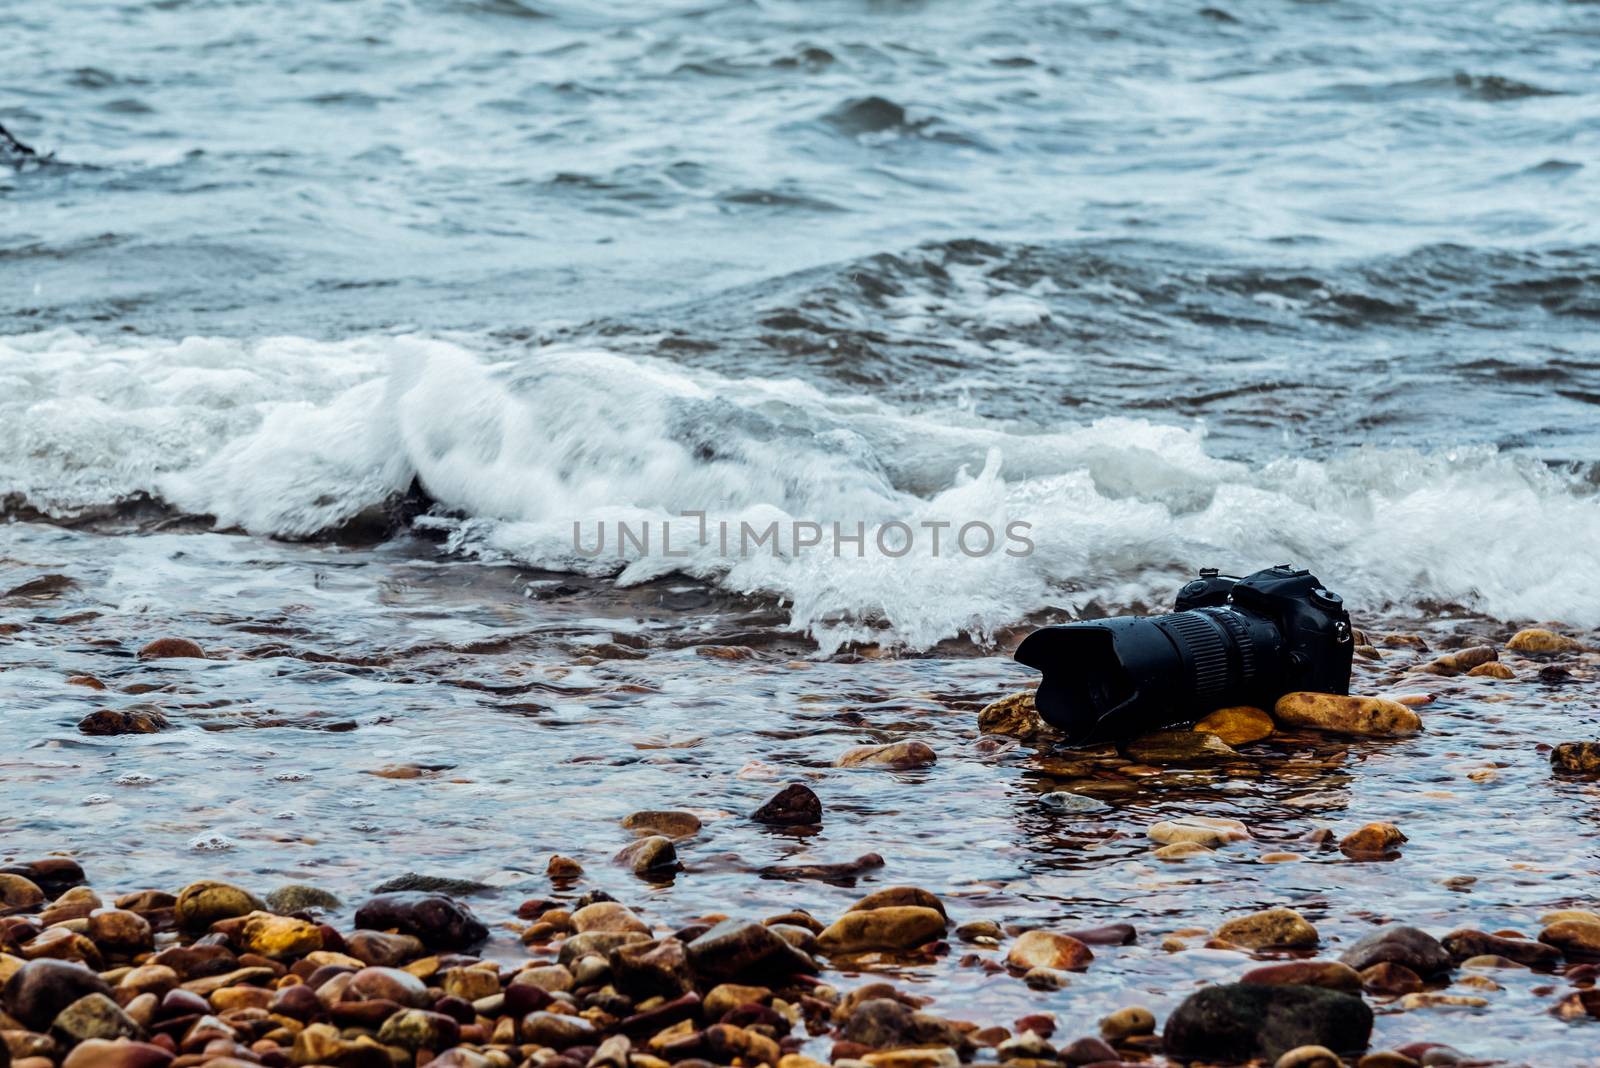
535, 714
324, 323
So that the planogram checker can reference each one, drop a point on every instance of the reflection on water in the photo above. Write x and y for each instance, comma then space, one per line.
514, 715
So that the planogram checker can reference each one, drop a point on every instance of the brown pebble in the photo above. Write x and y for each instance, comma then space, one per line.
172, 648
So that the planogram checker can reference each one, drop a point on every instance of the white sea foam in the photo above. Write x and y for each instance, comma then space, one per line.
290, 436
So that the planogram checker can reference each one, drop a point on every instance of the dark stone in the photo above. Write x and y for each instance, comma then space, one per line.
845, 872
652, 968
411, 882
736, 949
521, 999
440, 922
1414, 948
881, 1023
1468, 943
794, 805
1242, 1021
54, 875
299, 1002
40, 989
1115, 934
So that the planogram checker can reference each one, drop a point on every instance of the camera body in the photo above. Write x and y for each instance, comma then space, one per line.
1229, 641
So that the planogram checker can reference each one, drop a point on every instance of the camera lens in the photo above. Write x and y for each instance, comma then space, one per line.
1116, 678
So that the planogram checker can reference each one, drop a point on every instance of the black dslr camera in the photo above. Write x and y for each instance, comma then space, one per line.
1228, 641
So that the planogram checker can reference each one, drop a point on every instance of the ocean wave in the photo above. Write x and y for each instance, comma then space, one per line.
292, 437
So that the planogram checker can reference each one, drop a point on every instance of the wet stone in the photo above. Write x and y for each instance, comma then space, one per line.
439, 922
652, 968
121, 1053
734, 949
114, 721
17, 892
1065, 802
1309, 1057
93, 1016
1127, 1022
1013, 715
1399, 944
203, 903
655, 854
1389, 979
670, 824
898, 895
1375, 841
1578, 757
557, 1031
1329, 974
1465, 944
171, 648
1373, 716
1240, 1021
900, 756
1048, 949
1238, 725
1460, 662
1088, 1050
894, 927
1180, 747
40, 989
794, 806
298, 897
1574, 938
415, 1029
1271, 928
1539, 641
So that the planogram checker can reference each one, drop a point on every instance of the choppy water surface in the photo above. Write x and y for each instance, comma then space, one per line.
321, 324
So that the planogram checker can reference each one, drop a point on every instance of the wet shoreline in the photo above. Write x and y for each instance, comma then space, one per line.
362, 715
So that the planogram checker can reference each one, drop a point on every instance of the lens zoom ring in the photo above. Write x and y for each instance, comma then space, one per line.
1205, 644
1243, 647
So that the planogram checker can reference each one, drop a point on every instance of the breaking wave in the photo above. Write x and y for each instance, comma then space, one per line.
292, 437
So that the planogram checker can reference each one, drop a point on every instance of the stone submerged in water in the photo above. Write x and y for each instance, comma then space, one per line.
172, 648
897, 755
1179, 747
666, 822
1242, 1021
1198, 830
1338, 714
1068, 803
796, 805
1238, 725
114, 721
